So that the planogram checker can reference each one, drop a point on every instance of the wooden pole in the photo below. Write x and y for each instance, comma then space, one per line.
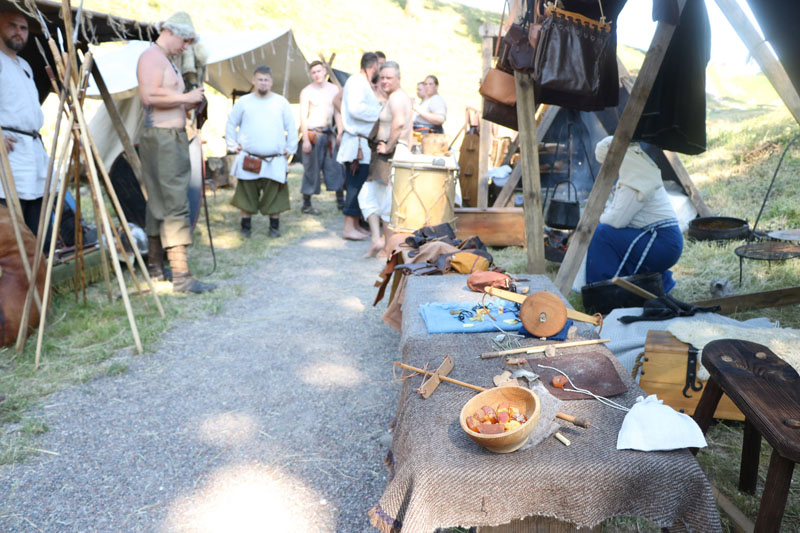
487, 32
287, 70
116, 121
104, 218
542, 125
531, 181
579, 242
44, 225
770, 65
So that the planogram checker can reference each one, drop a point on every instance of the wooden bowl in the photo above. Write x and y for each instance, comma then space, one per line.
521, 398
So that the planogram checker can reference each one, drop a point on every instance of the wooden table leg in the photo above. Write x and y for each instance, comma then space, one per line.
751, 453
776, 490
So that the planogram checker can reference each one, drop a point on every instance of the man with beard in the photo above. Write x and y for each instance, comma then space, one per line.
164, 151
21, 118
394, 133
261, 129
317, 117
360, 111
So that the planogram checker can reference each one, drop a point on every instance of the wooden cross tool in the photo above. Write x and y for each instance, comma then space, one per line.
580, 422
429, 385
544, 313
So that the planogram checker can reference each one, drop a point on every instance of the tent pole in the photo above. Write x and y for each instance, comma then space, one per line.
289, 51
487, 32
116, 120
770, 65
579, 242
531, 180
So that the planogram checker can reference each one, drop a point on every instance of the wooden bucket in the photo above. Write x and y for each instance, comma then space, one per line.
423, 192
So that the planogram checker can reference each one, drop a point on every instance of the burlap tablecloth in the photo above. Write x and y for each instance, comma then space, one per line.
440, 478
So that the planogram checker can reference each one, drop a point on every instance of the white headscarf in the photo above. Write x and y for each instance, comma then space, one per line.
637, 171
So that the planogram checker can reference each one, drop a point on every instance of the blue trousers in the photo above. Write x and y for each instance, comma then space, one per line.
352, 185
609, 245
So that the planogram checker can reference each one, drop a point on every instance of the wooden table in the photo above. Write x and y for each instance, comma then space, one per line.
440, 478
767, 390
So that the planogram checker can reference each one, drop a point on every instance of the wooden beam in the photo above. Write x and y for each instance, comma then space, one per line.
531, 181
119, 127
770, 65
756, 300
543, 125
487, 32
579, 242
688, 184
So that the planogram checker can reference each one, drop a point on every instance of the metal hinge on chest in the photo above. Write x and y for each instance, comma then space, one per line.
691, 372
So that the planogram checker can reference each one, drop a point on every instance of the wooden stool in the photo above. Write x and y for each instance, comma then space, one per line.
767, 390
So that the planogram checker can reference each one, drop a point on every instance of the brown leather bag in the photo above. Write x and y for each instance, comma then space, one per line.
252, 164
523, 38
499, 86
312, 136
479, 280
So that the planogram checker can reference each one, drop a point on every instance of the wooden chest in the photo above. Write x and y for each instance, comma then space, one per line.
664, 373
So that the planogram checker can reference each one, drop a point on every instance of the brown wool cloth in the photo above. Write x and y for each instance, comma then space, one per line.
440, 478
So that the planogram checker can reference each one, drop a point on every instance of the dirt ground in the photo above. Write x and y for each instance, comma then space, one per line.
270, 416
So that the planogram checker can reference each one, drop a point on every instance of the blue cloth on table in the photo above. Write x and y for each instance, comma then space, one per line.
560, 336
439, 319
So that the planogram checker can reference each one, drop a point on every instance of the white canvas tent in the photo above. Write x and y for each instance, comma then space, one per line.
229, 68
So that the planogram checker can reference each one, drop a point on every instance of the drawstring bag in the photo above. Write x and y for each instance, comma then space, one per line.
570, 51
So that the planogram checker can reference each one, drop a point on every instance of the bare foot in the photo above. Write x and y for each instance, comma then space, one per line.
382, 254
353, 236
365, 232
375, 248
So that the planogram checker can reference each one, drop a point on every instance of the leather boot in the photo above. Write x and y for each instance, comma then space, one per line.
182, 279
274, 227
246, 226
307, 207
155, 260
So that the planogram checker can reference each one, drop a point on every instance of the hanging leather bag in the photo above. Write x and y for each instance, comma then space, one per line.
570, 51
498, 84
522, 38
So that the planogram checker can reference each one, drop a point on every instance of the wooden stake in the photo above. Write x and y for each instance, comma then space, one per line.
105, 218
542, 348
580, 239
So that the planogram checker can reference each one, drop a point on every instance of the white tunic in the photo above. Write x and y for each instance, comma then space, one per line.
20, 109
263, 127
360, 111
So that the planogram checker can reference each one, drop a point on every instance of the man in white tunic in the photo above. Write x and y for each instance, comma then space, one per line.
21, 118
360, 111
261, 129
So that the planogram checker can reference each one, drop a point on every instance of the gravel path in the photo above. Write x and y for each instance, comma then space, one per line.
272, 416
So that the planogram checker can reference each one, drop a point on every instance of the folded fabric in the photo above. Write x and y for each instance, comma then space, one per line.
461, 317
651, 426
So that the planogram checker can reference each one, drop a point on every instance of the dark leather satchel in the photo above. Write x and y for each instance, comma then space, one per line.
570, 52
523, 38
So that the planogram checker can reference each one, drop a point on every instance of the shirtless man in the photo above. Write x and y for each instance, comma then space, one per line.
394, 132
318, 115
164, 151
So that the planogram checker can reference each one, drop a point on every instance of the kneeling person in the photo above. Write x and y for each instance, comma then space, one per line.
261, 129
